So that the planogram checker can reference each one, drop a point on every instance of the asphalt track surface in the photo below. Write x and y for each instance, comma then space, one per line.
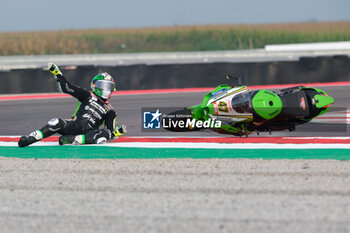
167, 195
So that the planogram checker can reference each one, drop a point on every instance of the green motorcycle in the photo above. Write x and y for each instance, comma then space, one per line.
239, 111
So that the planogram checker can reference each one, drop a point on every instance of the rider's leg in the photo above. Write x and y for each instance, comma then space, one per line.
52, 127
91, 137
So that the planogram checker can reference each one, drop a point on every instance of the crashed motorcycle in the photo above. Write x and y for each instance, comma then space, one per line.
241, 111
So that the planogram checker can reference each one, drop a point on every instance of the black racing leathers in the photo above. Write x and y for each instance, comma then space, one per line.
91, 113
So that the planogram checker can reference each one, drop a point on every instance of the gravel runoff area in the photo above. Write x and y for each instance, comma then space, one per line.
174, 195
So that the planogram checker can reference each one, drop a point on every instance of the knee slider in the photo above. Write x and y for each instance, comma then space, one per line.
56, 124
102, 136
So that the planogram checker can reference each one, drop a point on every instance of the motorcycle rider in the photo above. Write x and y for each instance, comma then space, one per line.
93, 110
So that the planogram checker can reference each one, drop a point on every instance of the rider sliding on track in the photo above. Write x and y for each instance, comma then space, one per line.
92, 111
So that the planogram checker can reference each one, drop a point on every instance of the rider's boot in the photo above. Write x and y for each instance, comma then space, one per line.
26, 140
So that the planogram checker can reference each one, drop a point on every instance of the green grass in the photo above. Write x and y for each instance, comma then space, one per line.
185, 38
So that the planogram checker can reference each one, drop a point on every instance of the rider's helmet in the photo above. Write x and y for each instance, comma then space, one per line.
103, 85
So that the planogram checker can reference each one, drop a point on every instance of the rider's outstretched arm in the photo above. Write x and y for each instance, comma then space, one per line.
66, 87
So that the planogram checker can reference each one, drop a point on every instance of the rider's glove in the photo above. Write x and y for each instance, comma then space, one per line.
54, 69
119, 131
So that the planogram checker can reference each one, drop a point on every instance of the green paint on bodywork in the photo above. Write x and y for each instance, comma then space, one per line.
323, 100
200, 111
197, 112
267, 104
105, 152
323, 110
207, 97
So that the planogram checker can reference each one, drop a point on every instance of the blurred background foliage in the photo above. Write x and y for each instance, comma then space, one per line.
176, 38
